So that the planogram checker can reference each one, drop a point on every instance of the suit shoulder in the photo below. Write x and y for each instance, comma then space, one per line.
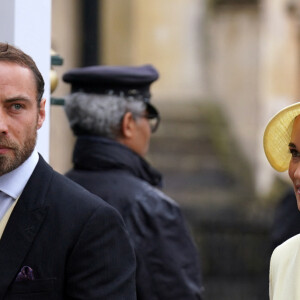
75, 194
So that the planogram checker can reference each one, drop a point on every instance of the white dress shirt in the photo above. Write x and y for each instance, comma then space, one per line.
13, 183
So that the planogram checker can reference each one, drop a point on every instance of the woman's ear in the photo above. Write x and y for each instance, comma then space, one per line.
128, 125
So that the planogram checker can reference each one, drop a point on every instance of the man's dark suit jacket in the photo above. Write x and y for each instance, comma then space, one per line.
73, 241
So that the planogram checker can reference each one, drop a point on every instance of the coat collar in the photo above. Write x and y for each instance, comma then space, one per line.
98, 153
23, 224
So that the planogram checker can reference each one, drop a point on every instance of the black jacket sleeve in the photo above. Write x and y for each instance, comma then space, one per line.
165, 252
102, 263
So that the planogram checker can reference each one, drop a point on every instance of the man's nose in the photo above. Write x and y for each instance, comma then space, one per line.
3, 123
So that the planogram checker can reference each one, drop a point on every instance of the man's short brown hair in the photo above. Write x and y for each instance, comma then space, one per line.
12, 54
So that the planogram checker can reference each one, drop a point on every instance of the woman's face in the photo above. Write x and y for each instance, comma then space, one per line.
294, 167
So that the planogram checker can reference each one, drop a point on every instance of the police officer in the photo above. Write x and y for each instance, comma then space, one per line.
109, 111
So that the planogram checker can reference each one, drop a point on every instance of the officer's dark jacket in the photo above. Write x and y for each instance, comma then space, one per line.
167, 263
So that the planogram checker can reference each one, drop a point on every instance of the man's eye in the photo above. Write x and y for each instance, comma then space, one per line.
17, 106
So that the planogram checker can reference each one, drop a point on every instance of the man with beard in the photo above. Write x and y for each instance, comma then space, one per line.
109, 111
58, 241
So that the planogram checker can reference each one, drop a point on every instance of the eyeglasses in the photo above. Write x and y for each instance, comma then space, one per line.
154, 120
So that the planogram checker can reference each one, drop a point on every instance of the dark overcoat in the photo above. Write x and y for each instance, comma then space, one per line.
73, 243
167, 260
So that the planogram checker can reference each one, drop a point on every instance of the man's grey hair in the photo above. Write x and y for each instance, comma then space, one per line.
100, 115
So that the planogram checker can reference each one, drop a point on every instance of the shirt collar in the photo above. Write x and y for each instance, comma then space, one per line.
14, 182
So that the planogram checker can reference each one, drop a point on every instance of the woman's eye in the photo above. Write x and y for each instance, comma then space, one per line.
294, 153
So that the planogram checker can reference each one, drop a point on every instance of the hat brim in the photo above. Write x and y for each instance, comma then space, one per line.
277, 137
151, 109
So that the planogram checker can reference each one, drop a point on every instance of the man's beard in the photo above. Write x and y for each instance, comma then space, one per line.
17, 155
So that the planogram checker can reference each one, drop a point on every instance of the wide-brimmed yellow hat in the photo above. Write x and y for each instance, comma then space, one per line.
277, 137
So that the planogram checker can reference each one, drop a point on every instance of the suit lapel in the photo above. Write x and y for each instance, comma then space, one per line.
23, 225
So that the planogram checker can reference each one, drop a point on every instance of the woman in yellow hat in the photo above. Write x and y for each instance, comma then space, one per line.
282, 148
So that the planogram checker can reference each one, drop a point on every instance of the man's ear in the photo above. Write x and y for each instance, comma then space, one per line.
41, 113
128, 125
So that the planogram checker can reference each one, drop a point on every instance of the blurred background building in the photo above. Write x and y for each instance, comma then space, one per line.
226, 66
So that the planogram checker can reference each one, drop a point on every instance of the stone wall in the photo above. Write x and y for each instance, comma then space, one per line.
242, 54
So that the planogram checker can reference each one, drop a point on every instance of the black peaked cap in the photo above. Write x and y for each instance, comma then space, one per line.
118, 80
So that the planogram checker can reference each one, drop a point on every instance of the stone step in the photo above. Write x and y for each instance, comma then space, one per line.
206, 174
183, 162
183, 129
206, 186
187, 110
194, 152
171, 146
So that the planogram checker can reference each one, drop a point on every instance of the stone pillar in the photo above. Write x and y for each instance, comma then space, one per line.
163, 33
278, 76
66, 38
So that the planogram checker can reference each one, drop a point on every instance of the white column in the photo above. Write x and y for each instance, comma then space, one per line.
26, 24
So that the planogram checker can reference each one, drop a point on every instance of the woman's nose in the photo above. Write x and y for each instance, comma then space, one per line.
297, 170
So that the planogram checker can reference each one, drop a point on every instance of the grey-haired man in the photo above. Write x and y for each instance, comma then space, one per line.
109, 111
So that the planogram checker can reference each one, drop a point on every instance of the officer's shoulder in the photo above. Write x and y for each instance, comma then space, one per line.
151, 196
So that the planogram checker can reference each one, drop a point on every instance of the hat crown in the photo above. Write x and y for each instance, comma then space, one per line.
277, 136
119, 80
